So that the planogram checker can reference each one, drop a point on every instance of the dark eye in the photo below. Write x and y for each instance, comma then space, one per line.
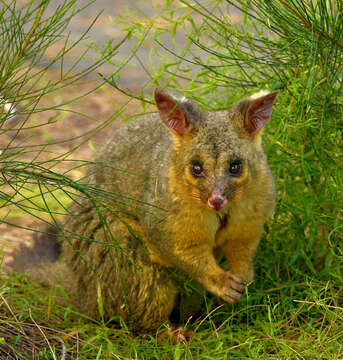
235, 168
197, 169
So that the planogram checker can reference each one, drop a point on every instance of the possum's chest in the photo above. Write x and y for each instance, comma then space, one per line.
237, 221
223, 226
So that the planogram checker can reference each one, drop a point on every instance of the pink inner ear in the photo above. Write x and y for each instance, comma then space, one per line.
258, 114
172, 116
177, 122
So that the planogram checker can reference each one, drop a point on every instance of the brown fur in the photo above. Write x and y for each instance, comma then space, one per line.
170, 219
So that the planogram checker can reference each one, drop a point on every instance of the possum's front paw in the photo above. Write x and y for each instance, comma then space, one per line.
231, 287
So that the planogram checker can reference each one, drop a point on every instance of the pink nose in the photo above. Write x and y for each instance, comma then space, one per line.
216, 202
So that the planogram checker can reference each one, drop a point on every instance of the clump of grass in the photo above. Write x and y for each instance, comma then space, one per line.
267, 324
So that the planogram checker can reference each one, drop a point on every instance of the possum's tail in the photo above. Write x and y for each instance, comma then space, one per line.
40, 263
45, 248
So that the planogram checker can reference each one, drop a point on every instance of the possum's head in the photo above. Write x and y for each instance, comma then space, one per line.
217, 155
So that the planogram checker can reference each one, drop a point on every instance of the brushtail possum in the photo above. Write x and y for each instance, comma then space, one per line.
181, 183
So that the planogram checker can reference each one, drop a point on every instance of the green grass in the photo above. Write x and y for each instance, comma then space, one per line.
291, 320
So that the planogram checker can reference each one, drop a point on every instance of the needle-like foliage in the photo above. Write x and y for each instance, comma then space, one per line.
38, 59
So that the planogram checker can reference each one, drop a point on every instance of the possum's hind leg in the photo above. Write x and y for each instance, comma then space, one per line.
116, 277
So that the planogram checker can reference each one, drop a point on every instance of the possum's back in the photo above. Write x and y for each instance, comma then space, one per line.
133, 158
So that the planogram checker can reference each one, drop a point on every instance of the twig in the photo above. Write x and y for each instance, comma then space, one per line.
64, 348
31, 32
42, 332
207, 316
318, 303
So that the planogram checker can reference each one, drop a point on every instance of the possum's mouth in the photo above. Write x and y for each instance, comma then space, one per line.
217, 203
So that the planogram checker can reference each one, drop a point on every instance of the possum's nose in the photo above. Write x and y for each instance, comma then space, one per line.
216, 200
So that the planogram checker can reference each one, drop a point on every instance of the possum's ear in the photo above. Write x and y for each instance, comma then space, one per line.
171, 113
256, 110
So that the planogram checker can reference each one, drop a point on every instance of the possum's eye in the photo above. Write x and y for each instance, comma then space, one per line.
197, 169
235, 168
